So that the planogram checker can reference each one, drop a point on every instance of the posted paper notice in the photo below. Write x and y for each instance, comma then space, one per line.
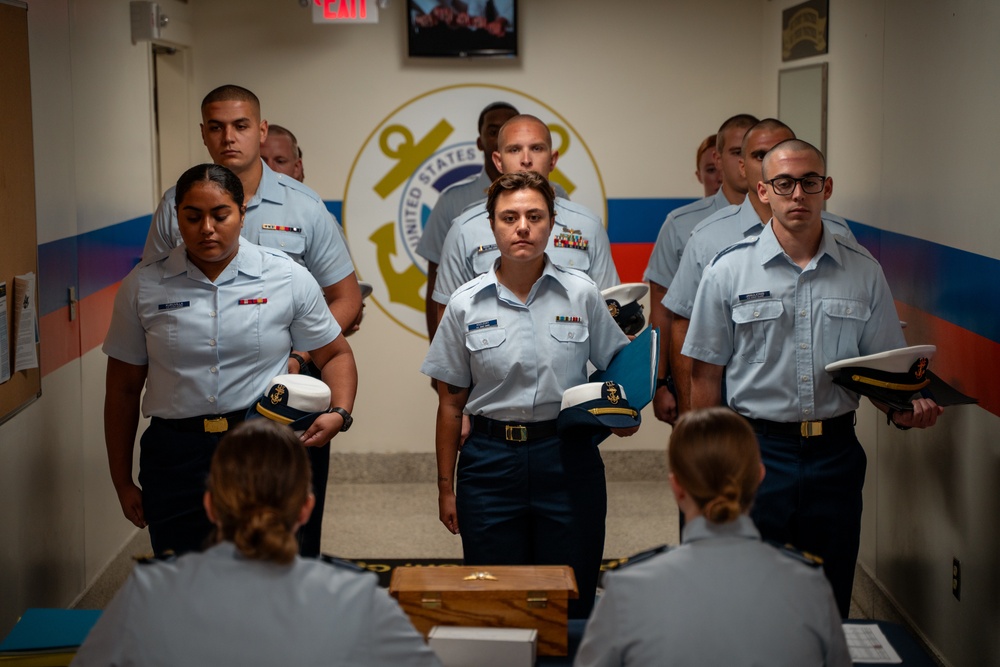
25, 355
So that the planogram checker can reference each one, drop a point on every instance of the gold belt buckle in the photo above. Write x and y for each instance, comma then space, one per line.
811, 429
517, 433
216, 425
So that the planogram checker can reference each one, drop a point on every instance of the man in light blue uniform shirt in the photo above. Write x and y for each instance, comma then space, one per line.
281, 213
578, 240
719, 231
673, 236
771, 312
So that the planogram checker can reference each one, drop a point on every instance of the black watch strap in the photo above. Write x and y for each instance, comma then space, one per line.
299, 358
348, 419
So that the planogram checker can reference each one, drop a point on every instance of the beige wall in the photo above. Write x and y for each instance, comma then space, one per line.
642, 88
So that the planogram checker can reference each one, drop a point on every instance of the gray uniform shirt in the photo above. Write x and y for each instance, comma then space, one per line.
217, 608
721, 598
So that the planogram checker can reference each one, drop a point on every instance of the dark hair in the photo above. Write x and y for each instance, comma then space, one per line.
714, 456
766, 125
231, 93
259, 481
706, 145
520, 180
794, 145
493, 107
741, 120
210, 173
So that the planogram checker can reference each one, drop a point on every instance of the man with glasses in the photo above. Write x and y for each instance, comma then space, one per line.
771, 312
719, 231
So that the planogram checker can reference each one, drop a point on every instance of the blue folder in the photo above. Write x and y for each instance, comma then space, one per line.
43, 630
635, 368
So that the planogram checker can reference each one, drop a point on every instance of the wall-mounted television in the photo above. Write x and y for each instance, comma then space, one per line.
462, 28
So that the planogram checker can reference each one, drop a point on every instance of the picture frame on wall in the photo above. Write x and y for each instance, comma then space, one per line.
462, 28
805, 30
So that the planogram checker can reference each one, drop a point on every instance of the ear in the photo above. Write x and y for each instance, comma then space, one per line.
263, 131
697, 174
479, 144
207, 502
743, 168
497, 162
204, 140
762, 192
306, 510
552, 162
828, 188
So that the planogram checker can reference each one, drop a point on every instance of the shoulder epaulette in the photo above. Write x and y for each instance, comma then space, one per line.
742, 243
150, 558
722, 214
644, 555
341, 562
298, 186
471, 212
578, 209
852, 244
812, 560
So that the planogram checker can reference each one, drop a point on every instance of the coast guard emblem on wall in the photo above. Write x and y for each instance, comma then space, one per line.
409, 159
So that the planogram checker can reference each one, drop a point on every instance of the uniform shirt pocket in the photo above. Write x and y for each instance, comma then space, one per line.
485, 349
755, 325
483, 261
843, 323
569, 257
570, 345
291, 243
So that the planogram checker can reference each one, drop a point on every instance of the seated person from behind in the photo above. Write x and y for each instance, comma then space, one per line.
250, 599
722, 597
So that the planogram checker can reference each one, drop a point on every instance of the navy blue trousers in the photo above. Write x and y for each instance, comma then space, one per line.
537, 503
173, 469
311, 531
811, 498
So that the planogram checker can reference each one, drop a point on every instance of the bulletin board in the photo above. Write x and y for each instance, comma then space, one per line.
18, 238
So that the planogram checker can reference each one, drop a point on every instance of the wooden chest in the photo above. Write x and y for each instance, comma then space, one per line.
510, 596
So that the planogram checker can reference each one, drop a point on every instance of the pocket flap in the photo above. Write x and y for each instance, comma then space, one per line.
485, 338
757, 311
848, 308
569, 332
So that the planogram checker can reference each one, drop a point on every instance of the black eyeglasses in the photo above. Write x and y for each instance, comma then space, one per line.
785, 185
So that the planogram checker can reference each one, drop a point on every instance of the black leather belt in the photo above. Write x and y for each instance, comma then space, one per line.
512, 431
204, 423
803, 429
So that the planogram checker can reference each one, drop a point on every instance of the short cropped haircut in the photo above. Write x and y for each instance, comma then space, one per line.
740, 120
797, 145
274, 128
766, 125
520, 118
520, 180
493, 107
231, 93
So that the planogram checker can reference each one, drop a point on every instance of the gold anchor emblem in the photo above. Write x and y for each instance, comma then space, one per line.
613, 308
277, 393
613, 396
921, 368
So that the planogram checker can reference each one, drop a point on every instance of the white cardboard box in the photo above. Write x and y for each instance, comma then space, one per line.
459, 646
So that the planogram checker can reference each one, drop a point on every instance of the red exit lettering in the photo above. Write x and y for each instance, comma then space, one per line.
343, 9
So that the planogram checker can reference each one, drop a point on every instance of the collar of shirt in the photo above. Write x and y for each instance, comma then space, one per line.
749, 220
703, 529
268, 190
248, 261
489, 280
769, 248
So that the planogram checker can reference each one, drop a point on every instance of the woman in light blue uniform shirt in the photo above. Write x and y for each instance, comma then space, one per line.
723, 597
250, 599
510, 343
204, 327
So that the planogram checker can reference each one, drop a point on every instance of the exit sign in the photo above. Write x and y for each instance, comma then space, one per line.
345, 11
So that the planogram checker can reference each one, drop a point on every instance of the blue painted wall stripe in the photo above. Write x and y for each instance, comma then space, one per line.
954, 285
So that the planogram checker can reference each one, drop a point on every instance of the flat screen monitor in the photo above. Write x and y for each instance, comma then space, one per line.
462, 28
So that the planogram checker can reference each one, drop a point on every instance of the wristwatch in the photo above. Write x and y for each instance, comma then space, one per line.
348, 419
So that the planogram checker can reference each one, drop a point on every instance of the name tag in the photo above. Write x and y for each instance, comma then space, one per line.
486, 248
282, 228
251, 302
174, 305
755, 295
482, 325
